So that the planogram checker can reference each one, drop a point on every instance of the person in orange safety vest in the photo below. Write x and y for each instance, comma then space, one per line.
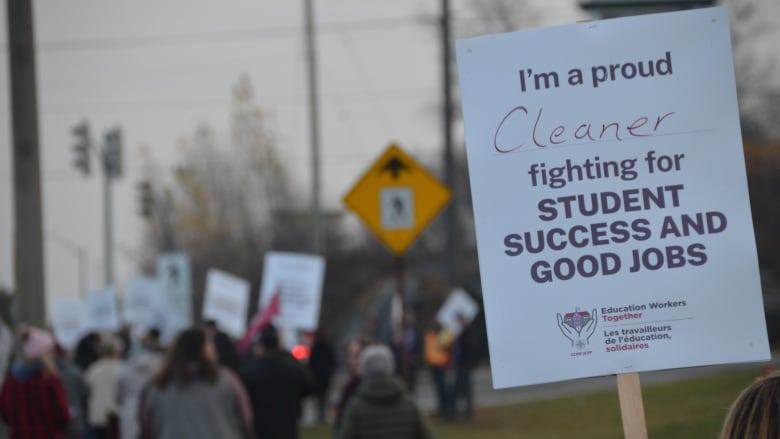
437, 356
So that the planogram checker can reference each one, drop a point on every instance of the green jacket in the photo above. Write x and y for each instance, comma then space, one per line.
381, 409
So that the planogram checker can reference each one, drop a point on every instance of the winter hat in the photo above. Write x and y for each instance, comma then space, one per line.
36, 343
375, 360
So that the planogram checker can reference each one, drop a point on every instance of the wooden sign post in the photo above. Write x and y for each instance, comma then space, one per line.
632, 410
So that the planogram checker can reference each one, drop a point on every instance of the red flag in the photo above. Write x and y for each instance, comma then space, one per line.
262, 319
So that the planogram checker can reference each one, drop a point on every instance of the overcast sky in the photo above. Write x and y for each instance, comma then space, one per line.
158, 68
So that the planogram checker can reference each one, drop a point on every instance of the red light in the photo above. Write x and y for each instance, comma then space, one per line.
300, 352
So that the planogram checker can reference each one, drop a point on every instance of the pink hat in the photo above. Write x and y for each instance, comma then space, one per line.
37, 343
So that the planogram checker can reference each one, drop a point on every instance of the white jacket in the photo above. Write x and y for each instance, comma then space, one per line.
134, 376
102, 377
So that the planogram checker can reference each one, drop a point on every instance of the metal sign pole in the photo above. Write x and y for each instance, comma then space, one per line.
400, 282
108, 234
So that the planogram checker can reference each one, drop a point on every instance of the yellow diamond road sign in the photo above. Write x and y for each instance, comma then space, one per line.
397, 198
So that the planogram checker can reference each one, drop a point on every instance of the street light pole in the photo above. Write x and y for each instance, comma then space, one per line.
108, 228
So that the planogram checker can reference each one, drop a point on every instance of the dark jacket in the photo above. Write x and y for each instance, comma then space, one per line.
464, 350
77, 394
382, 410
322, 363
276, 383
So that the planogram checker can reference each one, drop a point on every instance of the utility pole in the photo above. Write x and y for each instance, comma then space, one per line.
314, 128
452, 252
28, 220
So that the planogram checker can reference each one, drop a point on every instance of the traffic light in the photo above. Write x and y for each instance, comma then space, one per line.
146, 198
112, 153
81, 148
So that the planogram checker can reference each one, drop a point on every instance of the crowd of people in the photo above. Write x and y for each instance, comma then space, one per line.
200, 386
109, 388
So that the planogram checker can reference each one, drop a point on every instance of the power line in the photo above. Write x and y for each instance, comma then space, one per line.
248, 34
57, 176
229, 36
155, 105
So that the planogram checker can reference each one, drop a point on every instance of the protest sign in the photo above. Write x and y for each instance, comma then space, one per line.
459, 303
146, 306
173, 270
68, 321
102, 313
141, 299
226, 302
610, 198
299, 279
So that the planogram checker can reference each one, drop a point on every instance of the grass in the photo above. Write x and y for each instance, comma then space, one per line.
681, 410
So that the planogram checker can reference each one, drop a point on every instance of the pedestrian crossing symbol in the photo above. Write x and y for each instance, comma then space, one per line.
397, 207
397, 198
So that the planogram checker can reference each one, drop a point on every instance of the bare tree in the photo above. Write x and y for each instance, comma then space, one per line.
229, 202
220, 205
756, 71
495, 16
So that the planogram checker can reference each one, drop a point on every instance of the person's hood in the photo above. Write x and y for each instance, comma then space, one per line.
381, 390
24, 371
